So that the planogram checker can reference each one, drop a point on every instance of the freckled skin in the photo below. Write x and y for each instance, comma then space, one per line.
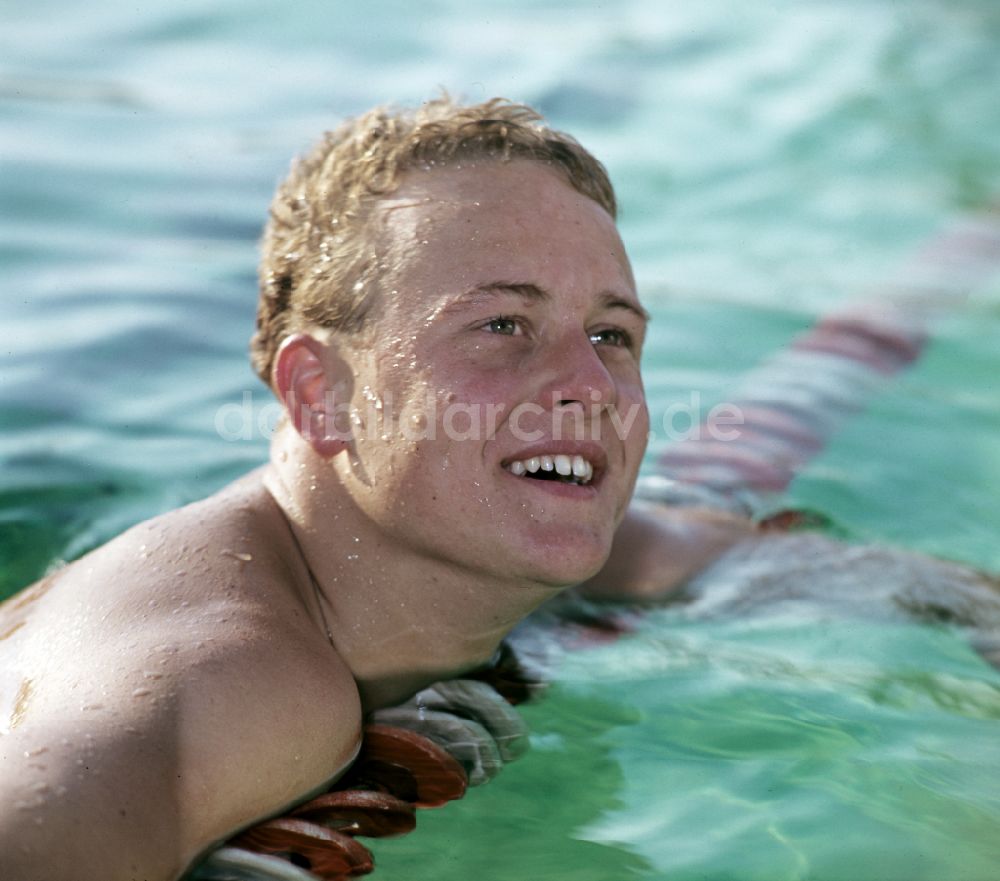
152, 694
212, 666
474, 234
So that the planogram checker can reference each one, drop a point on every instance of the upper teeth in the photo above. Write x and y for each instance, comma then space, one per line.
566, 466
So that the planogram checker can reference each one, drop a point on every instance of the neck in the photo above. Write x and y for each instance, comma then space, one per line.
399, 619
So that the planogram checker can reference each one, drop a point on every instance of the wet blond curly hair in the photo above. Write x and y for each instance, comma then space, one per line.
317, 267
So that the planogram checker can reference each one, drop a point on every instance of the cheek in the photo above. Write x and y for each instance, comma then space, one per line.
468, 397
472, 366
481, 387
632, 400
638, 439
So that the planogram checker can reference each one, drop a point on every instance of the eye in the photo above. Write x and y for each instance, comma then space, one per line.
502, 326
612, 336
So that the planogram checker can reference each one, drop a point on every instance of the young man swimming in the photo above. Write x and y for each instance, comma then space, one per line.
449, 317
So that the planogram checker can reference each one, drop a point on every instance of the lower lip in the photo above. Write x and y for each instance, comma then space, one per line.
580, 492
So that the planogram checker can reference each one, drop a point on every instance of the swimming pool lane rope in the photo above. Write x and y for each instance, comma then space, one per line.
797, 399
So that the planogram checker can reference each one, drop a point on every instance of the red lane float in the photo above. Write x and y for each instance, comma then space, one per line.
359, 812
798, 398
407, 765
327, 853
395, 772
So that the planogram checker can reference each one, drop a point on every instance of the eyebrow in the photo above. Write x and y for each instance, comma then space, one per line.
533, 293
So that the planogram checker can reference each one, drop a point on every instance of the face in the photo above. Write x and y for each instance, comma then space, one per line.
504, 351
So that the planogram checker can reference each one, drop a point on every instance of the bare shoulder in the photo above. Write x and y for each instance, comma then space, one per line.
174, 681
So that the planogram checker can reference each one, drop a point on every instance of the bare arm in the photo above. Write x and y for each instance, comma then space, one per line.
115, 802
658, 548
159, 709
135, 756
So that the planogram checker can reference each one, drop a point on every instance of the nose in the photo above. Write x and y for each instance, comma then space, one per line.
580, 380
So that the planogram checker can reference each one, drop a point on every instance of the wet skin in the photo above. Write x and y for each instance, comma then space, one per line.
166, 709
181, 682
514, 297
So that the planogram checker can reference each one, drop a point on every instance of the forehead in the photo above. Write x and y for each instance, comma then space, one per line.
466, 225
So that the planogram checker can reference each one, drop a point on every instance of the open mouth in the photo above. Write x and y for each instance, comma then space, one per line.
561, 469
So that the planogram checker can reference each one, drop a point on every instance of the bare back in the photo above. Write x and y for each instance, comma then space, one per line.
164, 691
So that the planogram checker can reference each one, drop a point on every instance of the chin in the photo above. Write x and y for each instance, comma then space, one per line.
569, 566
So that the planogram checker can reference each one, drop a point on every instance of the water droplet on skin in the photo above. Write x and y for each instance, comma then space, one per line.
242, 557
352, 556
152, 674
141, 692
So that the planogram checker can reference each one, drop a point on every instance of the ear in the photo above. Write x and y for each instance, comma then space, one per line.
305, 383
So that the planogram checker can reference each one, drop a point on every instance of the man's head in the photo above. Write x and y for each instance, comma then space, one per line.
490, 411
319, 266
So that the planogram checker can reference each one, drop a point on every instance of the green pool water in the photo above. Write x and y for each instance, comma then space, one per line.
772, 161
